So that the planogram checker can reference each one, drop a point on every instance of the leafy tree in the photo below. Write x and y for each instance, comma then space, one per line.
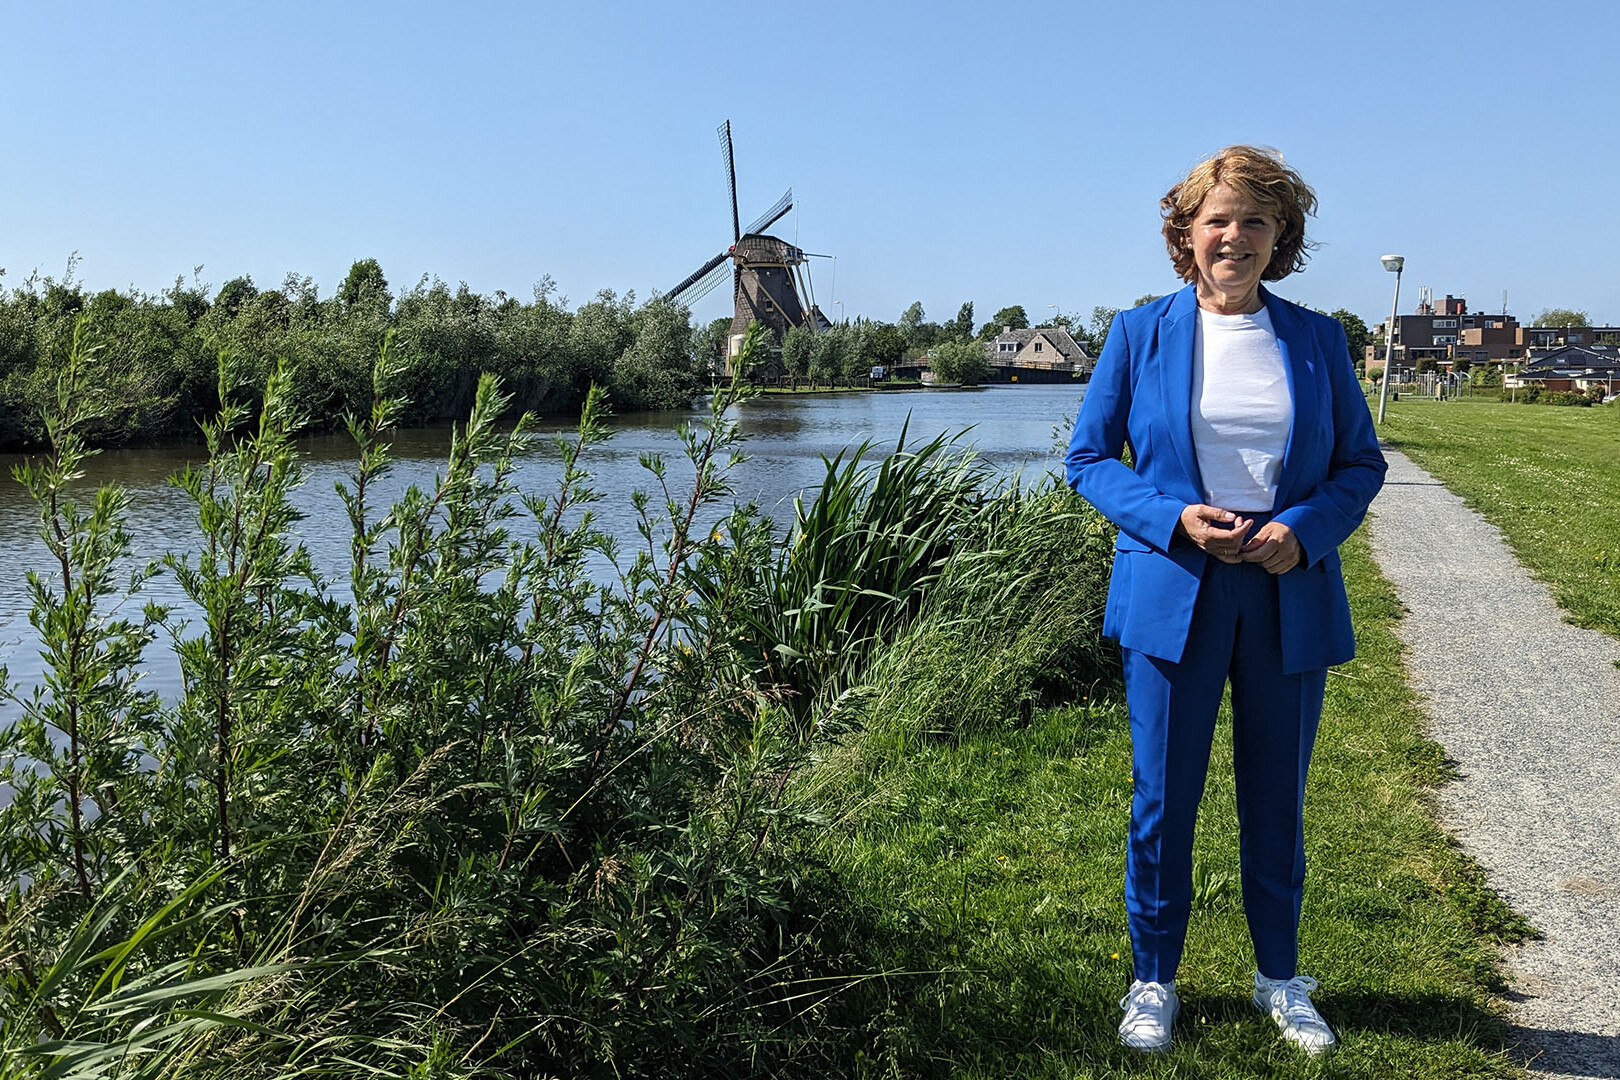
1101, 319
1556, 317
712, 342
797, 346
1145, 298
234, 294
911, 321
1355, 333
365, 287
829, 355
961, 327
658, 370
1057, 320
959, 361
886, 344
1013, 316
855, 357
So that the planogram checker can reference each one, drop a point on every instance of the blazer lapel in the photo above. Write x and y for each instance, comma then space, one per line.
1177, 328
1300, 361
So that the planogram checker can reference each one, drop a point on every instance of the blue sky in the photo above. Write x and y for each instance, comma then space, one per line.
999, 153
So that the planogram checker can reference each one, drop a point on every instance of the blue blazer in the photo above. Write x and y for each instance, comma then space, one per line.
1141, 395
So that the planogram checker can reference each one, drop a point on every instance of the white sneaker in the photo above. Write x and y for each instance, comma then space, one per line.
1289, 1003
1150, 1010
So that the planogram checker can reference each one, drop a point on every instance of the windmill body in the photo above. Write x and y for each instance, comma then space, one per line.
770, 277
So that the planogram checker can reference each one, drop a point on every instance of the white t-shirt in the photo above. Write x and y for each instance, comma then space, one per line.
1241, 409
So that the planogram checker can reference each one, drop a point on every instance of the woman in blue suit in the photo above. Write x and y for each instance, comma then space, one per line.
1253, 458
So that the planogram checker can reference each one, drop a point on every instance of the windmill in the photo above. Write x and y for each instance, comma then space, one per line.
767, 283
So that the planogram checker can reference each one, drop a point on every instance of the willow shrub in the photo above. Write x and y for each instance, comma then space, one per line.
470, 812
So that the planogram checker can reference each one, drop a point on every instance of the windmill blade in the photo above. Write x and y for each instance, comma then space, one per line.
689, 286
705, 286
731, 176
769, 217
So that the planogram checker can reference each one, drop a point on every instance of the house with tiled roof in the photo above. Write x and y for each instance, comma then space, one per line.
1573, 367
1047, 348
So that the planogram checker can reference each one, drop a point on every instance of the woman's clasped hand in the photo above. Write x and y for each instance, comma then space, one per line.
1224, 535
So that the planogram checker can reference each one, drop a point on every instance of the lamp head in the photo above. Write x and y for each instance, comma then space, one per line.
1393, 263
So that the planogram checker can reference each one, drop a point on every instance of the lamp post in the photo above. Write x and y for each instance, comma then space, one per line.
1394, 264
840, 304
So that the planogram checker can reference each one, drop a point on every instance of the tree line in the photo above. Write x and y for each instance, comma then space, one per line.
158, 367
954, 348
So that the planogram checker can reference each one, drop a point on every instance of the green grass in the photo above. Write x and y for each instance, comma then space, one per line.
1545, 476
987, 873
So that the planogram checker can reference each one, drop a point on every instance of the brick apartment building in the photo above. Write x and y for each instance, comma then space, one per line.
1446, 332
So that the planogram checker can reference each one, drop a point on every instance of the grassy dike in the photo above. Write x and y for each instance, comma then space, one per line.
987, 871
1545, 476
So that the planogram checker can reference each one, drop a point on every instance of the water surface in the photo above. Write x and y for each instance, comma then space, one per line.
787, 438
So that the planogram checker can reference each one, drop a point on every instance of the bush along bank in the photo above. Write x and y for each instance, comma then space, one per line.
470, 812
158, 354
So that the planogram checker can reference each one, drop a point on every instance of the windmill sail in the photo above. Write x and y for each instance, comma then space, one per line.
769, 217
689, 284
731, 177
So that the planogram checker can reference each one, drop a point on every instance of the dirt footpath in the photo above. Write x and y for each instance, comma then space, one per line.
1528, 708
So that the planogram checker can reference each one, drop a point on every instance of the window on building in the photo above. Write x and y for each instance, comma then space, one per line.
1445, 324
1445, 339
1037, 346
1007, 347
1576, 339
1468, 324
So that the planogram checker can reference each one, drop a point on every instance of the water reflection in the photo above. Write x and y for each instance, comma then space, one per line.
787, 437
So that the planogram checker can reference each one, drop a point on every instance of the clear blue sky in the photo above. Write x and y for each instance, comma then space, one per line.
1000, 153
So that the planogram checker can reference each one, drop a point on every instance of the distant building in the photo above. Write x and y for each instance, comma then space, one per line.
1043, 348
1573, 367
1541, 339
1446, 333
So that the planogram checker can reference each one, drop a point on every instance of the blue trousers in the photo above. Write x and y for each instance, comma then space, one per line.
1234, 635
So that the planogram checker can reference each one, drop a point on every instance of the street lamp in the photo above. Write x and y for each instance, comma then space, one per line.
1394, 264
840, 304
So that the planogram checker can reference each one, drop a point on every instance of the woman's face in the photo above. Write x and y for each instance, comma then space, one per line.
1232, 241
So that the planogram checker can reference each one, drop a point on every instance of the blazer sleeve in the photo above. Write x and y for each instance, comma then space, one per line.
1327, 516
1093, 466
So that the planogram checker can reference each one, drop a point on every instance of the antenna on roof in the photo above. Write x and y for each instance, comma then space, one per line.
1504, 303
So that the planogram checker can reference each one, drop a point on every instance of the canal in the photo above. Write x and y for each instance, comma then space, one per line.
787, 439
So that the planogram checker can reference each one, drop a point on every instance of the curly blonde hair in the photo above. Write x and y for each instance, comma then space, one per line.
1261, 175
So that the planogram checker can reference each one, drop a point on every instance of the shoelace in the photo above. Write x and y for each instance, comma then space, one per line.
1297, 1005
1152, 993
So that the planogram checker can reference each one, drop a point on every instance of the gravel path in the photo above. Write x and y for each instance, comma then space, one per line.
1528, 707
